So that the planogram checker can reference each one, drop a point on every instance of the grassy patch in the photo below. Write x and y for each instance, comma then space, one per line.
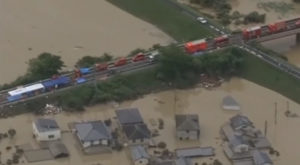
171, 19
259, 72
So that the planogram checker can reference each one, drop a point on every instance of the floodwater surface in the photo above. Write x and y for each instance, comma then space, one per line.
69, 28
256, 102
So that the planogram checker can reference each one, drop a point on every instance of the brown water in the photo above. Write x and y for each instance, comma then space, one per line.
69, 28
247, 6
256, 102
286, 46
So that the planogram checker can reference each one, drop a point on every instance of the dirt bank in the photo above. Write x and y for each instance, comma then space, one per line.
69, 28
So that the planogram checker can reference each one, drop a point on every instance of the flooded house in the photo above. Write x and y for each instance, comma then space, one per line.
139, 155
93, 134
187, 126
46, 130
241, 139
261, 158
133, 126
229, 103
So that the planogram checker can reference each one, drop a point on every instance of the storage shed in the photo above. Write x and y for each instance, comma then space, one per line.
229, 103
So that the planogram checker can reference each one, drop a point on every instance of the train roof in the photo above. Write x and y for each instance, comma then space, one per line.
58, 81
253, 28
196, 42
22, 90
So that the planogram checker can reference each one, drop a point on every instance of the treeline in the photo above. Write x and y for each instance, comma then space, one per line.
175, 70
223, 10
42, 67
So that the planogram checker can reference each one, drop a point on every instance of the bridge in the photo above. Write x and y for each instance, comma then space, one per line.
236, 40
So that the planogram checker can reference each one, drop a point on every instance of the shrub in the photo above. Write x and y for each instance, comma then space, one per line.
254, 17
162, 145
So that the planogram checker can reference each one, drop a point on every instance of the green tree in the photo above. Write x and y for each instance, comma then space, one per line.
89, 61
175, 65
44, 66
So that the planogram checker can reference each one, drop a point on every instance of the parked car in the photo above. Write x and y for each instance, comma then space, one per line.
202, 20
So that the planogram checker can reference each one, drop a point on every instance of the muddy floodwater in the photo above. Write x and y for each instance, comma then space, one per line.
286, 46
256, 102
69, 28
275, 10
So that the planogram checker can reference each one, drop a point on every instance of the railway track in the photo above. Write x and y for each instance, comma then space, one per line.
236, 40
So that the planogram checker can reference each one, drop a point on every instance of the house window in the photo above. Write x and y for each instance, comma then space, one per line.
50, 136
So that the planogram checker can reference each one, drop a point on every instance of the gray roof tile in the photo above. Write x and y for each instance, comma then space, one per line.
94, 130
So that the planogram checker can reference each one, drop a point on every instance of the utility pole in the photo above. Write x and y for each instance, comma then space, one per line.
266, 127
275, 119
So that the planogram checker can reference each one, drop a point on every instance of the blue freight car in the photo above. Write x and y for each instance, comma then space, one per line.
85, 70
14, 98
56, 83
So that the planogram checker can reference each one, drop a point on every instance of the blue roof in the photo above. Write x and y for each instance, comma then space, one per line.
81, 80
85, 70
59, 81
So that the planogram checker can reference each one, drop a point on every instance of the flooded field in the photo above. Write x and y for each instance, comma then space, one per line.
69, 28
256, 102
275, 10
286, 46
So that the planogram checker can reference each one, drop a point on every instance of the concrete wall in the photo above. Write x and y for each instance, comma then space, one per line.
187, 135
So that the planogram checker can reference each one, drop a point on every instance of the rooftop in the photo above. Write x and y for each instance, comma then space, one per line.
261, 158
94, 130
138, 152
129, 116
195, 152
187, 122
230, 103
240, 121
137, 131
44, 125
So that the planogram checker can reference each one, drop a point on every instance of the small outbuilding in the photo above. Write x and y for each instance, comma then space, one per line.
46, 130
58, 150
229, 103
139, 155
187, 127
195, 152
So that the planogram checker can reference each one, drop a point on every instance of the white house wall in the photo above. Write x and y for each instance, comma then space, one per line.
44, 136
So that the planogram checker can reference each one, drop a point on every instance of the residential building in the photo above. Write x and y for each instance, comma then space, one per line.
46, 130
129, 116
187, 127
137, 133
139, 155
93, 133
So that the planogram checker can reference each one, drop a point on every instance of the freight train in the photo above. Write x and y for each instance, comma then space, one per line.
260, 31
77, 77
190, 47
203, 44
247, 34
